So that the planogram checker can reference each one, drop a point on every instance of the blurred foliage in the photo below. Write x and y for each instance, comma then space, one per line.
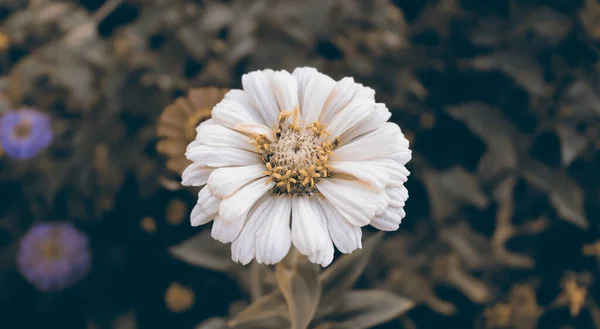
500, 99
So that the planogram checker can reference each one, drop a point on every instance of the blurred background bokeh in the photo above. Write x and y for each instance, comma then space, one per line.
499, 98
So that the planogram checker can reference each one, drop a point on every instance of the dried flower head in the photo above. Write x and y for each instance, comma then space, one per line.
179, 298
176, 211
148, 224
54, 256
297, 147
177, 125
24, 133
520, 311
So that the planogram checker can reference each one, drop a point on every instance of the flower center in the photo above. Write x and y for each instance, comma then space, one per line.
23, 129
298, 157
51, 249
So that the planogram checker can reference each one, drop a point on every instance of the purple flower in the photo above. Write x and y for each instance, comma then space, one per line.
24, 133
54, 256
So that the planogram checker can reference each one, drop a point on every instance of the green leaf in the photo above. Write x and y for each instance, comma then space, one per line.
265, 308
299, 283
340, 277
361, 309
203, 251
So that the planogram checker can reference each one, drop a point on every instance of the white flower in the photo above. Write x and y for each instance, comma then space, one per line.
297, 159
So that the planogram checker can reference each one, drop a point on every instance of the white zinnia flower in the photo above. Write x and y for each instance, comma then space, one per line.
297, 158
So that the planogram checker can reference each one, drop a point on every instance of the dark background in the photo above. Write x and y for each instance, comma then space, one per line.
465, 79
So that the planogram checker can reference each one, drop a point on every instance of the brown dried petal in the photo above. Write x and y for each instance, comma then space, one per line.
172, 148
206, 98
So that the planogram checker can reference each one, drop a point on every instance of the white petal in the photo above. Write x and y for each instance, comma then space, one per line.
308, 234
366, 171
204, 124
217, 135
206, 207
258, 86
402, 154
196, 175
373, 122
381, 201
200, 217
227, 231
229, 113
218, 156
355, 112
342, 93
376, 144
390, 220
324, 256
346, 236
313, 90
285, 89
398, 196
379, 172
238, 204
356, 201
255, 128
243, 249
273, 240
207, 200
225, 181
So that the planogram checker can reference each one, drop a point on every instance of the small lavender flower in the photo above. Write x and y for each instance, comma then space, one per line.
54, 256
24, 133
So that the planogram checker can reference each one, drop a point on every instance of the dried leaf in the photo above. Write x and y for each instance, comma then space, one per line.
473, 247
583, 100
259, 280
571, 144
525, 72
564, 193
444, 195
361, 309
221, 323
267, 307
301, 288
212, 323
590, 18
338, 278
449, 269
504, 230
418, 288
594, 313
125, 321
497, 132
203, 251
549, 24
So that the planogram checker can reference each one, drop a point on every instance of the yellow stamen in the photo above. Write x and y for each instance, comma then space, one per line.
295, 118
